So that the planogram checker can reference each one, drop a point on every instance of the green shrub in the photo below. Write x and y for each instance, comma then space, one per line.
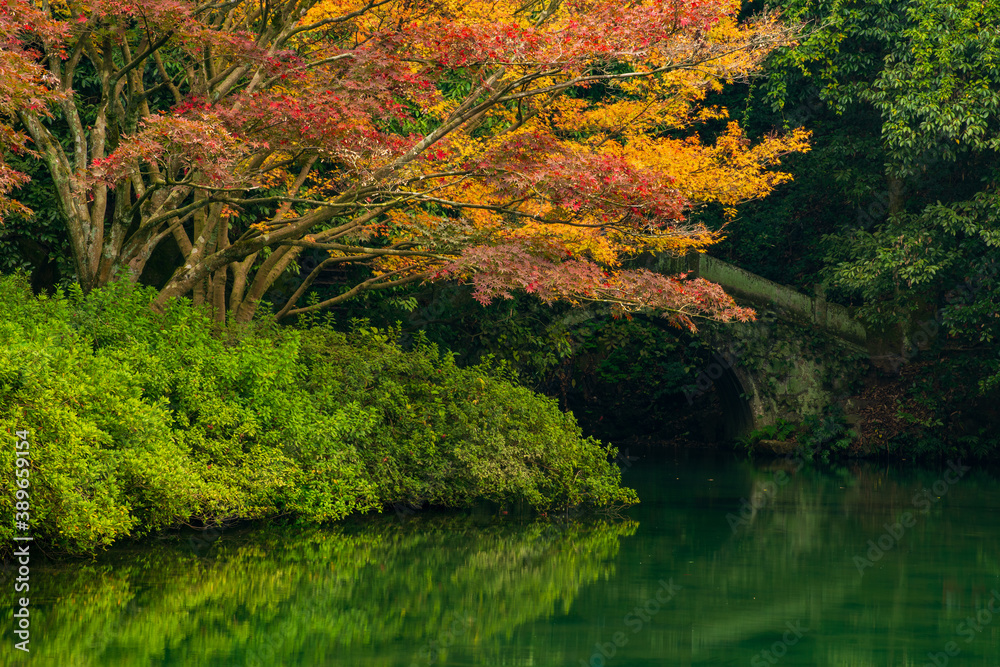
140, 421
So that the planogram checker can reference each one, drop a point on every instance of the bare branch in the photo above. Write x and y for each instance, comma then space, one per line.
367, 286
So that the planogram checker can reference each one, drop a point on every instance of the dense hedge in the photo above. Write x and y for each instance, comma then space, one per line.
140, 421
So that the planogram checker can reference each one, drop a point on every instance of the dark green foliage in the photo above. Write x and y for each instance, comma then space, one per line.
816, 437
628, 376
780, 430
895, 208
826, 435
619, 377
950, 408
139, 421
838, 187
925, 72
37, 243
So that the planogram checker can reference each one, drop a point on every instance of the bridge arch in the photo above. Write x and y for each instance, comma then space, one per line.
799, 357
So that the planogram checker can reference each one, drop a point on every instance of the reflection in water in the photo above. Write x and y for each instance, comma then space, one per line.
783, 587
433, 590
793, 562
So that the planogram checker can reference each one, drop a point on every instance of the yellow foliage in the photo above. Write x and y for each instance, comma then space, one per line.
730, 172
629, 122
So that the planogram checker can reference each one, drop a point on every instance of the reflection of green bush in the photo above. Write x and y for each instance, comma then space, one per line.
315, 596
140, 420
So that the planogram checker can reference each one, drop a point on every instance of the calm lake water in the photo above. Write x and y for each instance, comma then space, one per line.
814, 571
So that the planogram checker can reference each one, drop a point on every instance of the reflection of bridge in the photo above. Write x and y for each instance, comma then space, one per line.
800, 356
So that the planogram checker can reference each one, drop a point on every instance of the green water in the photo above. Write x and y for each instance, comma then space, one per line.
474, 589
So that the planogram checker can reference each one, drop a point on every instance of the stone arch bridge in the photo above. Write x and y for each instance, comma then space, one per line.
799, 357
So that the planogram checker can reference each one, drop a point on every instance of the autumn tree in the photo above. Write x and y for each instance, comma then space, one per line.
530, 146
22, 88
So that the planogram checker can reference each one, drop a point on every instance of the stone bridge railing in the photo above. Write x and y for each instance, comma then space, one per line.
832, 318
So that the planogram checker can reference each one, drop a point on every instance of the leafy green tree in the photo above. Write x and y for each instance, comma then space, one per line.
929, 69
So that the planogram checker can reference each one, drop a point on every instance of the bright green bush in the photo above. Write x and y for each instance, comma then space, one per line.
140, 421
